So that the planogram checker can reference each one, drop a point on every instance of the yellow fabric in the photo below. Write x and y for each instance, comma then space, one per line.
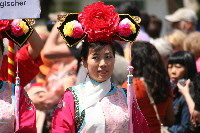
11, 49
10, 72
11, 61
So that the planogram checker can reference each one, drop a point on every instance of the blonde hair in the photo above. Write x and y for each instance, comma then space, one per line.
192, 43
176, 38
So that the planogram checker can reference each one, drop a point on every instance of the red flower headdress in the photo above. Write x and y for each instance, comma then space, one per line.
17, 30
98, 22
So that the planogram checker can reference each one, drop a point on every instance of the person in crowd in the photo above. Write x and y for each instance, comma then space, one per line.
175, 39
164, 48
45, 96
192, 43
196, 112
155, 27
58, 73
181, 66
35, 91
28, 60
145, 20
100, 67
184, 19
149, 73
131, 9
97, 105
169, 43
192, 102
55, 47
30, 56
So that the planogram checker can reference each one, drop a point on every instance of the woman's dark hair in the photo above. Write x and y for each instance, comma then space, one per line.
155, 26
96, 45
50, 25
118, 48
2, 46
147, 63
145, 19
186, 59
128, 8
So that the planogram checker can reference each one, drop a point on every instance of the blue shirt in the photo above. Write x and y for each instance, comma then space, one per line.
182, 115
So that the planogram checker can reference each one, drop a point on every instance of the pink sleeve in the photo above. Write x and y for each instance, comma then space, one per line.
139, 122
64, 115
28, 68
27, 114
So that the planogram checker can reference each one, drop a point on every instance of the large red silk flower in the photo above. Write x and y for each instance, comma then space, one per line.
99, 21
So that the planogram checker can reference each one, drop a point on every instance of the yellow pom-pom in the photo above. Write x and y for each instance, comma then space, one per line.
68, 29
133, 28
23, 25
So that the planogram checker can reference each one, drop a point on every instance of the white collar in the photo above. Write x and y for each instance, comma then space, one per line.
91, 97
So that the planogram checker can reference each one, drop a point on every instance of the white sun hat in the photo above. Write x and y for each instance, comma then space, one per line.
186, 14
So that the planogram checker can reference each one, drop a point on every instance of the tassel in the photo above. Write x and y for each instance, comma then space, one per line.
130, 93
17, 97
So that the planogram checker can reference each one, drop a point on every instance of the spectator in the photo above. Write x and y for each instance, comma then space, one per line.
184, 19
164, 48
150, 73
155, 27
181, 65
175, 39
192, 44
192, 102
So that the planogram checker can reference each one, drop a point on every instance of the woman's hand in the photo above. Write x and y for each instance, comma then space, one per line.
184, 90
195, 118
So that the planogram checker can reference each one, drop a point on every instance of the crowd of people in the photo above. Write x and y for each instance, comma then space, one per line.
76, 81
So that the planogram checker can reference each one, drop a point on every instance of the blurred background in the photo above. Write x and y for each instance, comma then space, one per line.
160, 8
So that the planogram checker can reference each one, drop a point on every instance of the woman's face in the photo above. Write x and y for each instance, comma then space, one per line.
100, 64
176, 72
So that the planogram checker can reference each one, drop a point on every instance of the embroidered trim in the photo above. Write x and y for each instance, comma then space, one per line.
124, 91
82, 126
78, 118
1, 86
28, 101
112, 90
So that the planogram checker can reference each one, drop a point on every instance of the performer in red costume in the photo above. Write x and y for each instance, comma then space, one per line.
28, 60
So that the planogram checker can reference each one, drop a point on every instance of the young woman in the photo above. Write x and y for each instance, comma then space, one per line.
96, 105
149, 73
181, 66
28, 58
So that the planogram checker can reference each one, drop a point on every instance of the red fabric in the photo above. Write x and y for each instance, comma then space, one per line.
139, 122
146, 108
63, 119
27, 114
28, 68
